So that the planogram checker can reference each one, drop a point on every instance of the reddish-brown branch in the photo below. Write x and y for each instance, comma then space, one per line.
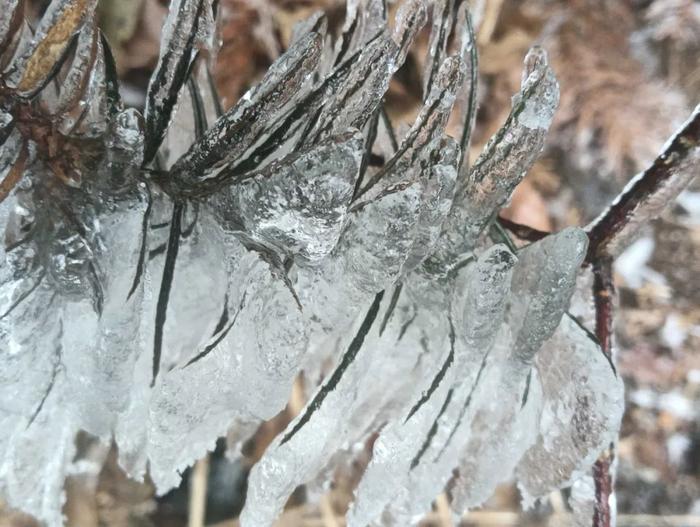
644, 187
15, 174
602, 476
604, 298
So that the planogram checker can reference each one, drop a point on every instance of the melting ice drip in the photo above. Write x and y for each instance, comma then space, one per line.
164, 310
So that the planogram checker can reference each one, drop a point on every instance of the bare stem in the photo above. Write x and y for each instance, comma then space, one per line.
648, 193
604, 298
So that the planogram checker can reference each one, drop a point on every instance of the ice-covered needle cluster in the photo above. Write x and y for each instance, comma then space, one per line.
166, 277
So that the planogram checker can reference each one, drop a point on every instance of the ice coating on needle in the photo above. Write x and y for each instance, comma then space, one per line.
237, 129
405, 452
244, 370
181, 30
10, 15
507, 157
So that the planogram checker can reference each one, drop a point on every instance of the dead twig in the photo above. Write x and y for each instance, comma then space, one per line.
198, 493
648, 194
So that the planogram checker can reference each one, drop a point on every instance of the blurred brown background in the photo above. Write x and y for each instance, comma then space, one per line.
630, 74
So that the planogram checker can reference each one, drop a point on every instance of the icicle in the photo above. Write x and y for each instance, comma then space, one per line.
478, 309
379, 236
543, 282
582, 411
298, 205
244, 370
436, 202
406, 468
508, 155
501, 431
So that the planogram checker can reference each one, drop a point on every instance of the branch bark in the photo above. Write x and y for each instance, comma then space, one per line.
648, 194
604, 299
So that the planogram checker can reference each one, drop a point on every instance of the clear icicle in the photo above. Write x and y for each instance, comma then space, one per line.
244, 370
582, 410
34, 467
298, 205
301, 451
543, 282
436, 202
508, 155
534, 313
403, 469
379, 236
99, 376
500, 428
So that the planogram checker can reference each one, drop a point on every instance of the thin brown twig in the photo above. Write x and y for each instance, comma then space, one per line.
604, 299
639, 195
15, 173
524, 232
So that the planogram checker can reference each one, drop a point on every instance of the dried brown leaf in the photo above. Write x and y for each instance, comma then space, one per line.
48, 52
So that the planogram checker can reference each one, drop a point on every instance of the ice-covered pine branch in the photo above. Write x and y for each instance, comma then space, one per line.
166, 277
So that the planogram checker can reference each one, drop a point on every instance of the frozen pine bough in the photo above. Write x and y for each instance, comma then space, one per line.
166, 277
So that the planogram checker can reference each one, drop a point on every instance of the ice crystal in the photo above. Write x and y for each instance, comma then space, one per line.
168, 276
